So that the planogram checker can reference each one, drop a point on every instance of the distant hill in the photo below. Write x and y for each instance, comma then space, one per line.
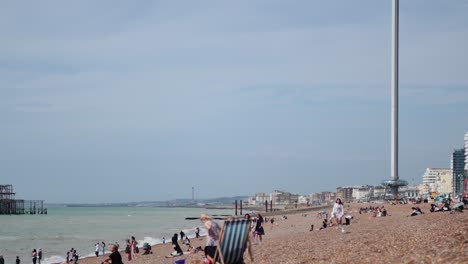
221, 201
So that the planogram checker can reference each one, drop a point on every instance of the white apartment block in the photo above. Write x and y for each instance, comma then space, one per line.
361, 193
437, 180
410, 192
303, 199
466, 153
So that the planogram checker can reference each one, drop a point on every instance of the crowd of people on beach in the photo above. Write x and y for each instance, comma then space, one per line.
337, 217
376, 211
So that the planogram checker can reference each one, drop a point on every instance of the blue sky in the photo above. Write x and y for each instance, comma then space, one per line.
106, 101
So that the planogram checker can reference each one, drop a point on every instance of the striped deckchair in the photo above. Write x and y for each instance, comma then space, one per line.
233, 241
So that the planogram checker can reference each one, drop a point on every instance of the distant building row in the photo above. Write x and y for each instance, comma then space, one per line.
447, 181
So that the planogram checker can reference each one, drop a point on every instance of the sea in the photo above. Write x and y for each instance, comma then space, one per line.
81, 228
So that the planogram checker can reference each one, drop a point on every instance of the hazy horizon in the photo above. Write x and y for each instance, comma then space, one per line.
115, 101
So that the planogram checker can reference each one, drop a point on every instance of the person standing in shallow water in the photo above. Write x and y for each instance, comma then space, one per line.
134, 248
34, 256
96, 250
39, 255
103, 245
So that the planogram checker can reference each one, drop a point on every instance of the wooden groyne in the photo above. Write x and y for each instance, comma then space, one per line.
11, 206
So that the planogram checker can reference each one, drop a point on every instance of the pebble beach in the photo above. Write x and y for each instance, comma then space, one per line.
440, 237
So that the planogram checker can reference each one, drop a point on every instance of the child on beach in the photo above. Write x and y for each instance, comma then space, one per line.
182, 235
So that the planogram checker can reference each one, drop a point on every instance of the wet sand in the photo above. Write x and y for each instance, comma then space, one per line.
398, 238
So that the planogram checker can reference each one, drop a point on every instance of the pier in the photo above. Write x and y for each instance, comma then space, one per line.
11, 206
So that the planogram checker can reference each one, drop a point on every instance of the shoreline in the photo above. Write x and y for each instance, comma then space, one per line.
161, 250
398, 238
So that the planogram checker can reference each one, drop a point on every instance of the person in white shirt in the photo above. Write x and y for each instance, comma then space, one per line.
338, 211
97, 249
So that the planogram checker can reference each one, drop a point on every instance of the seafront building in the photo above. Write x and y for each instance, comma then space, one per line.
276, 198
345, 193
361, 193
303, 199
257, 199
437, 181
323, 197
457, 165
410, 192
466, 154
283, 198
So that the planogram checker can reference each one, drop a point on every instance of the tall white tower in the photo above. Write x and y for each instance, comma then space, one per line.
394, 181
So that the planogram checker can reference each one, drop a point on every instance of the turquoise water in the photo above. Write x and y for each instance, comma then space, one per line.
82, 227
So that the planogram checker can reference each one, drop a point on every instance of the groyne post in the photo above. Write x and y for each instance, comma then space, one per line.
236, 207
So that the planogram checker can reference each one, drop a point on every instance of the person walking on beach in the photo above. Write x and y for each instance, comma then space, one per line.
135, 249
197, 232
182, 235
96, 251
75, 256
39, 255
114, 257
337, 211
18, 260
68, 256
103, 245
34, 256
259, 232
128, 250
213, 234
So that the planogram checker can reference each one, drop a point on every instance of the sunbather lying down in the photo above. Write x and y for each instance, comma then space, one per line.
435, 208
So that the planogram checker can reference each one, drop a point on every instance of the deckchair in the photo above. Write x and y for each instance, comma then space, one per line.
233, 241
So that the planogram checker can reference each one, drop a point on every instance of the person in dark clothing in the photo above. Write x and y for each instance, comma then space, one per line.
39, 256
197, 232
324, 224
182, 235
176, 246
18, 261
34, 256
114, 257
